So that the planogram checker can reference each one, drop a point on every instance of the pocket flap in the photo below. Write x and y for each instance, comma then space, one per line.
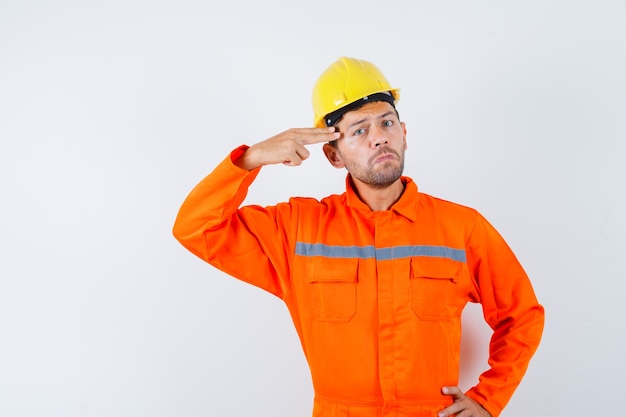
435, 268
320, 269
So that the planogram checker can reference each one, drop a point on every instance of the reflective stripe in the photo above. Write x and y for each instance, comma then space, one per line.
328, 251
381, 254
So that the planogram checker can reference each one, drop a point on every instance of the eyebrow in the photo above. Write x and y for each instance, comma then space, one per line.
358, 122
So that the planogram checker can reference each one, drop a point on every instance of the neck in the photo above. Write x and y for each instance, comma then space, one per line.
378, 199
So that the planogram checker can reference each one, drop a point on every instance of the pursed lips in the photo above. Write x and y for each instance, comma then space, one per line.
384, 155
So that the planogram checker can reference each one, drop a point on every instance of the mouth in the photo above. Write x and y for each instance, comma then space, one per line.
385, 157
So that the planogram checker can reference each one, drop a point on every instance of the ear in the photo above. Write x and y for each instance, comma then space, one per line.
332, 154
404, 131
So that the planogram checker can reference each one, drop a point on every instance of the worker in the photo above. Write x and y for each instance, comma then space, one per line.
376, 278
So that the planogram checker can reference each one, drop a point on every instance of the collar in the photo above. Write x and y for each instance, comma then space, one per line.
406, 206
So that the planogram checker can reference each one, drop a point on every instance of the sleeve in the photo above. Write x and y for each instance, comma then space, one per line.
249, 243
511, 309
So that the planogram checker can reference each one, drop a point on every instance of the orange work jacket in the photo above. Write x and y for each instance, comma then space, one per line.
375, 296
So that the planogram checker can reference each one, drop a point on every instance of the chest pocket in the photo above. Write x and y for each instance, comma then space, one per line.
437, 289
332, 288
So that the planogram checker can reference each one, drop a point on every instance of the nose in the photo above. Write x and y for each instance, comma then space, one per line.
379, 137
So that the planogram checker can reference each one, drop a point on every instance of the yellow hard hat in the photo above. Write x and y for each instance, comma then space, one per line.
347, 81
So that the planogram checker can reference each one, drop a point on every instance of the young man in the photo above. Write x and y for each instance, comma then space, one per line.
375, 279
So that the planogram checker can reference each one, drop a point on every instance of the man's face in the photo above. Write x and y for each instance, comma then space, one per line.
371, 146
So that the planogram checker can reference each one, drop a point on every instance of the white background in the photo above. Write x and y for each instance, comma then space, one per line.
111, 111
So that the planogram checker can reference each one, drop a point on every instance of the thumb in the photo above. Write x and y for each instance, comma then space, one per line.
453, 391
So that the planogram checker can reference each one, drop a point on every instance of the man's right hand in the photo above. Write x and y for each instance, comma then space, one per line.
288, 147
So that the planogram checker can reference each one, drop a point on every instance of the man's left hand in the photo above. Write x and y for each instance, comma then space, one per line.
463, 406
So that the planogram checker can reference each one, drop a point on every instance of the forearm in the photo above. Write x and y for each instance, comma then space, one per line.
512, 346
510, 308
213, 201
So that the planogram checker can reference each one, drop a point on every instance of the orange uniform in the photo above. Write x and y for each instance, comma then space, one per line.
376, 296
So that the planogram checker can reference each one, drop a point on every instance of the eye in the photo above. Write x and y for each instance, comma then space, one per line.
359, 132
388, 123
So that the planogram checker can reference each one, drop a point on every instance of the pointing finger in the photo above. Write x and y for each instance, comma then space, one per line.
311, 135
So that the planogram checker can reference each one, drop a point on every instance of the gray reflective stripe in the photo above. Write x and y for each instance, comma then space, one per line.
327, 251
381, 254
398, 252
